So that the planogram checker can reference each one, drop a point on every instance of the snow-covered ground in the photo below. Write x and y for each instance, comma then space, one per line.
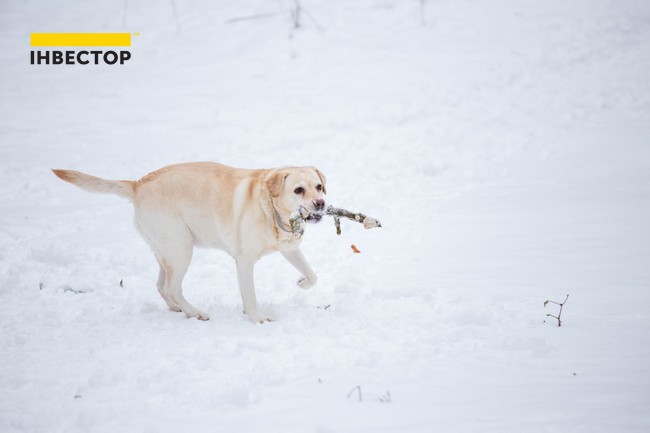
504, 145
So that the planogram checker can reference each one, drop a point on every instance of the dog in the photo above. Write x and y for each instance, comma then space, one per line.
244, 212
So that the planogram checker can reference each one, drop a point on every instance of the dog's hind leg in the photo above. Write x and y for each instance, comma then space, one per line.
172, 243
152, 237
175, 260
160, 284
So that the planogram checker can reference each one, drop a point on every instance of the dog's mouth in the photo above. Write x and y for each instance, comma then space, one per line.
314, 217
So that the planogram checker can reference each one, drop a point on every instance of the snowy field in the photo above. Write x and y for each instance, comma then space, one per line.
504, 145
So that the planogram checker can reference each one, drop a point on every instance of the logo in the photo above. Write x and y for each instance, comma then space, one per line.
80, 57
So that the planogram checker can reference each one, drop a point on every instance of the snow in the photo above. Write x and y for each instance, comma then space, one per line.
503, 146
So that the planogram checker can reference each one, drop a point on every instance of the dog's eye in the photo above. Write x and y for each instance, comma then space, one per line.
299, 190
319, 187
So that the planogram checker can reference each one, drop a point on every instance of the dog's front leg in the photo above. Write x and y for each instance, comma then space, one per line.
245, 267
297, 259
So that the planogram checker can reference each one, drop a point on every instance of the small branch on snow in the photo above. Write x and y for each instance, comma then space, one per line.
559, 314
295, 14
356, 388
385, 398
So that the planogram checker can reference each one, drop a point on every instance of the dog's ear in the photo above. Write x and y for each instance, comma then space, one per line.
322, 179
275, 182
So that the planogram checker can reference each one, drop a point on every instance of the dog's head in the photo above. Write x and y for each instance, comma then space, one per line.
293, 187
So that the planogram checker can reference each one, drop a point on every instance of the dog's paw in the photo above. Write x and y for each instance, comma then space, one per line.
198, 314
202, 316
307, 283
258, 318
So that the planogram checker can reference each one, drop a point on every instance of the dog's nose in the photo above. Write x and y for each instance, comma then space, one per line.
319, 203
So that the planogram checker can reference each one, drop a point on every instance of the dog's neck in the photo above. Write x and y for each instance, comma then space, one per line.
282, 229
278, 219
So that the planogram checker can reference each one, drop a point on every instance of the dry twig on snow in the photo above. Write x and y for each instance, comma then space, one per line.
356, 388
559, 314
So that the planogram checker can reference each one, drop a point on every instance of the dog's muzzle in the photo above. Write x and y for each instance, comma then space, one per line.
318, 211
314, 217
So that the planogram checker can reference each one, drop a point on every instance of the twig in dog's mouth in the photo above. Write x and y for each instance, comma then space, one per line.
302, 214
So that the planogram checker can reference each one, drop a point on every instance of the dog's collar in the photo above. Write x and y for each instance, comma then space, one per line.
278, 220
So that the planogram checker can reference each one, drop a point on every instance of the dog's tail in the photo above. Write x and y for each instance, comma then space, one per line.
123, 188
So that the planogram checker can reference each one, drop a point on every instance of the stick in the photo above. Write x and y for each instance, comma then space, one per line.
358, 217
337, 224
356, 388
301, 215
559, 322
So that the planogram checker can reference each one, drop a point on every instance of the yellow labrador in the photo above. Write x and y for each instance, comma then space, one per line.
242, 212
